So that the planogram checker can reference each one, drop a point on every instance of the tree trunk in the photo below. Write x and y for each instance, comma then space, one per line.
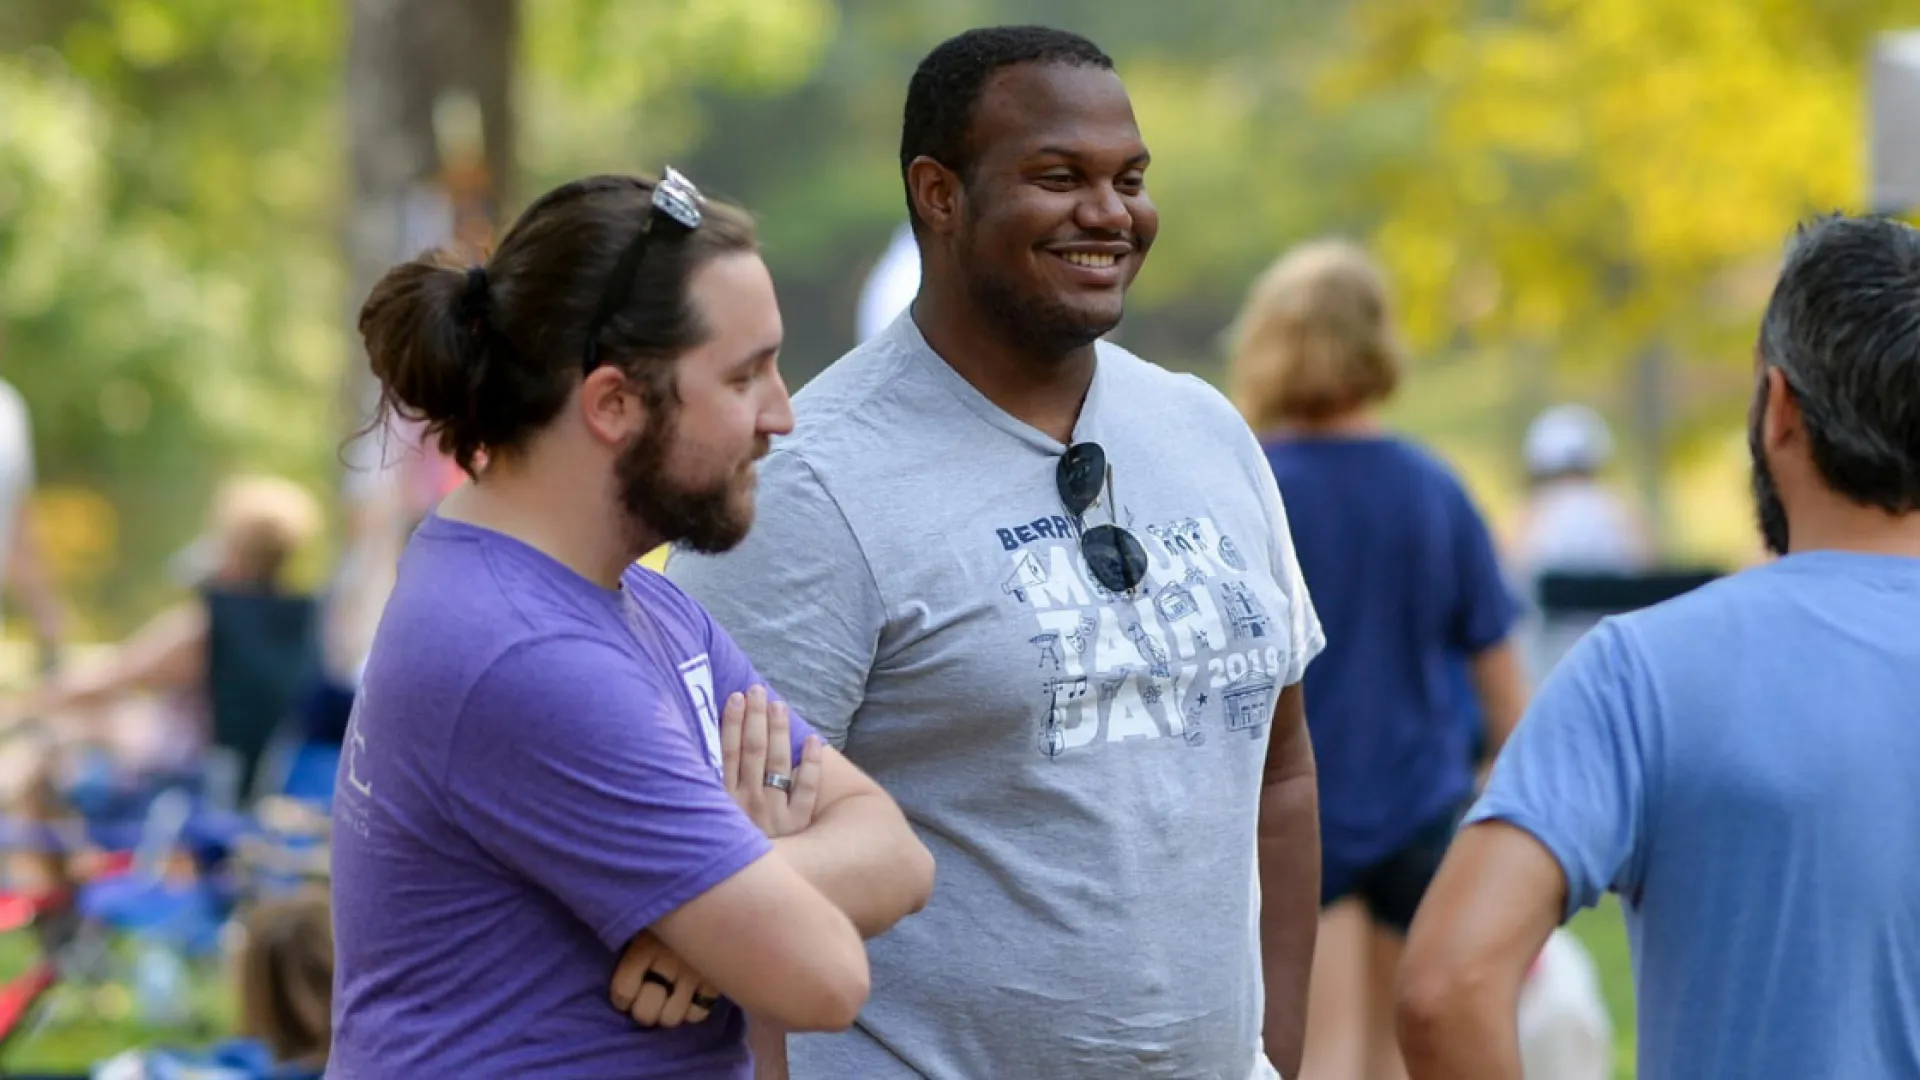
429, 87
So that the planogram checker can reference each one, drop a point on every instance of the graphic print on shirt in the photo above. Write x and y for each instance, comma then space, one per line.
353, 799
697, 676
1193, 651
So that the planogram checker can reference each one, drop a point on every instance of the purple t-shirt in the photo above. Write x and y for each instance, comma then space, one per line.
531, 778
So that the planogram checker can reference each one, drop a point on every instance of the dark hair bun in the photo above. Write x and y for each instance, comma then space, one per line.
427, 345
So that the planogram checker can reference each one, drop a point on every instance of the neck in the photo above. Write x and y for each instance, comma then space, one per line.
1033, 382
1361, 421
1833, 524
546, 507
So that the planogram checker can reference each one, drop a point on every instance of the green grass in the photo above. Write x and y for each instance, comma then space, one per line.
86, 1025
88, 1030
1602, 931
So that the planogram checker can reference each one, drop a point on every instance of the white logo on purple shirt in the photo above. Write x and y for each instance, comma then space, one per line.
697, 676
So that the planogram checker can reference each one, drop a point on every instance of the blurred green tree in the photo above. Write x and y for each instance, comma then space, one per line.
1559, 188
174, 182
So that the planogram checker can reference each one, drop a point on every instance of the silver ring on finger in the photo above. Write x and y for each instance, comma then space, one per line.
780, 781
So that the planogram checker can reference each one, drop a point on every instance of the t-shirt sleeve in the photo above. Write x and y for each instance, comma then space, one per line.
798, 596
571, 767
1486, 608
1305, 638
1575, 772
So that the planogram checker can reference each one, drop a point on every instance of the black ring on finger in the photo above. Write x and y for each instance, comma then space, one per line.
657, 979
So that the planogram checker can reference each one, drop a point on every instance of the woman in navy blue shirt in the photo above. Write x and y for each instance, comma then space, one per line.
1407, 584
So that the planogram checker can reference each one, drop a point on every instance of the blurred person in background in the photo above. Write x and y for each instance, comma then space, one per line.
1404, 575
1573, 518
392, 482
1736, 764
285, 975
1043, 589
256, 526
539, 760
1573, 521
23, 566
283, 987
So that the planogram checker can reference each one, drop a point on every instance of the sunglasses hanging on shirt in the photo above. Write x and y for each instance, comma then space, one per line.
1113, 554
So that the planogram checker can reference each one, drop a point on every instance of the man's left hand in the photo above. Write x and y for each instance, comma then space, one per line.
655, 987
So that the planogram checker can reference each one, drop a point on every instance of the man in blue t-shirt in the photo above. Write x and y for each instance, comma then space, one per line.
1737, 763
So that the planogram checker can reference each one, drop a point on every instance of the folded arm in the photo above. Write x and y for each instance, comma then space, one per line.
860, 852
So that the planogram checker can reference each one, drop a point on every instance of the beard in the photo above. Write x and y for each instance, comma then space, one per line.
1023, 317
706, 518
1019, 313
1770, 514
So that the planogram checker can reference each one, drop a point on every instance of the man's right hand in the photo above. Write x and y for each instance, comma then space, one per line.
756, 748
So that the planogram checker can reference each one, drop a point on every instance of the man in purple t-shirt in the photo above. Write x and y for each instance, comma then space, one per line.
537, 775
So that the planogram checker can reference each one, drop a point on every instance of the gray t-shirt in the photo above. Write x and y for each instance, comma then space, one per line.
1085, 769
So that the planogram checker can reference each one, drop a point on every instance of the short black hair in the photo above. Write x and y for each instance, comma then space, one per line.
946, 88
1843, 327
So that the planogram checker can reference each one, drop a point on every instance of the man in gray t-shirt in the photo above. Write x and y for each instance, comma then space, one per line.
1081, 685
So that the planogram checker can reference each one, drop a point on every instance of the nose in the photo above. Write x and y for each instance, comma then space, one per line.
1103, 210
776, 418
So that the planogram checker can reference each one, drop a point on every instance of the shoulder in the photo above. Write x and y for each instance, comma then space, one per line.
1677, 650
855, 400
1669, 634
562, 686
1185, 406
668, 602
1419, 463
1182, 391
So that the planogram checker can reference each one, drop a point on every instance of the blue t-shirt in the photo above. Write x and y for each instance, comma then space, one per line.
1406, 581
1738, 764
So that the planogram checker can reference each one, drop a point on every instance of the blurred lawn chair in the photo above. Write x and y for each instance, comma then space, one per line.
263, 656
169, 879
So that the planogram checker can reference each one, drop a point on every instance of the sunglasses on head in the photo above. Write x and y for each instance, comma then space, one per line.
676, 202
1113, 554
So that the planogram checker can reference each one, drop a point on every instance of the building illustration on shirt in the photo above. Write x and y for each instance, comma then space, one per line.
1194, 648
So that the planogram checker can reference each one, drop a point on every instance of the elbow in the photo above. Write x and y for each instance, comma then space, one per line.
834, 1002
917, 875
1433, 1000
905, 890
847, 997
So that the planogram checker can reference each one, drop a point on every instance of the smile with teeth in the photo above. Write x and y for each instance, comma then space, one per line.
1092, 260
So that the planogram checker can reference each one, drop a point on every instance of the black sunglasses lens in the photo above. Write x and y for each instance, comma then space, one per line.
1115, 556
1079, 476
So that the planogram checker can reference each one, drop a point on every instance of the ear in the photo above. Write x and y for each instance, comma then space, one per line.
937, 194
612, 411
1783, 423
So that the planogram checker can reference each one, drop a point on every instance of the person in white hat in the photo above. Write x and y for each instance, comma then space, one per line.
1574, 520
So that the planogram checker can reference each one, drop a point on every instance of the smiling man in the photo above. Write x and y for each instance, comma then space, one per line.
1043, 592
